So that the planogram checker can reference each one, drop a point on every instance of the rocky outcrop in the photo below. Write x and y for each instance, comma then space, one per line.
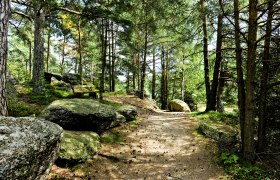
219, 132
28, 147
82, 115
77, 147
129, 112
178, 105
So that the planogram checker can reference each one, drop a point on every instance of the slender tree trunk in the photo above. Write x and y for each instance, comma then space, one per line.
249, 125
63, 55
205, 53
139, 70
127, 81
239, 69
110, 55
220, 106
166, 79
4, 18
48, 50
183, 83
133, 73
30, 59
154, 74
38, 59
163, 76
113, 57
80, 69
104, 51
214, 88
142, 87
264, 82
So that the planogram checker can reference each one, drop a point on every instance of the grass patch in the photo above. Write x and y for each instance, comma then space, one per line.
229, 118
112, 137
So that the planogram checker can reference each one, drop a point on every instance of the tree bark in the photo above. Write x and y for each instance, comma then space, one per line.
249, 125
113, 58
48, 49
30, 59
143, 78
38, 59
80, 69
264, 82
239, 69
4, 18
154, 74
205, 53
217, 67
163, 80
220, 106
63, 55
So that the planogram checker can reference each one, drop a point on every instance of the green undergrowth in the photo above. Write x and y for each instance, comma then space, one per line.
240, 169
112, 136
228, 118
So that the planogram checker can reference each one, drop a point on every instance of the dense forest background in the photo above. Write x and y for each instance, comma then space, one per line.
213, 52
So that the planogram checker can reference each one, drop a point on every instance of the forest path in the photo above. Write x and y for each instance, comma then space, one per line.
162, 146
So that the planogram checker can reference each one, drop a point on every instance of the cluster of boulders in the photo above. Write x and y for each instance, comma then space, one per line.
28, 146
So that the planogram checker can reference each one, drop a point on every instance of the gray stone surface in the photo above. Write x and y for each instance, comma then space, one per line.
28, 147
82, 115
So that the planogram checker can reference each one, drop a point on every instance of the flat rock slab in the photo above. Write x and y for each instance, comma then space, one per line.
28, 147
82, 115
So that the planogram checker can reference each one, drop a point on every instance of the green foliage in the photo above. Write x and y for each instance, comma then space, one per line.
241, 170
230, 118
113, 137
22, 109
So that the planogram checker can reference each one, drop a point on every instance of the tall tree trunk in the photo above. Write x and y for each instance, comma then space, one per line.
110, 55
154, 74
113, 57
4, 18
220, 106
217, 67
205, 53
264, 82
48, 49
30, 59
139, 70
163, 76
38, 59
183, 82
63, 55
104, 51
249, 125
134, 73
166, 79
239, 69
80, 69
143, 78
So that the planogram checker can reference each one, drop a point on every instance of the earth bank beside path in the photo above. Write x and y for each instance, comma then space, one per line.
161, 146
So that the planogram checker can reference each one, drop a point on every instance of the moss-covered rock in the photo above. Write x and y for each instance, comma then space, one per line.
128, 111
178, 105
83, 115
28, 147
78, 146
220, 132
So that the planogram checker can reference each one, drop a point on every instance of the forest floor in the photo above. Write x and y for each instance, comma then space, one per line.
162, 145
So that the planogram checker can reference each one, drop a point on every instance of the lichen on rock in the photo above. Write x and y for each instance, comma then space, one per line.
28, 147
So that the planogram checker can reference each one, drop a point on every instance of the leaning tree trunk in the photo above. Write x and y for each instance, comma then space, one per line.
264, 82
249, 125
240, 80
38, 59
205, 53
4, 18
217, 67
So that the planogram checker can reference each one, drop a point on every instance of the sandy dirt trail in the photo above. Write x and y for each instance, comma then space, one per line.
162, 146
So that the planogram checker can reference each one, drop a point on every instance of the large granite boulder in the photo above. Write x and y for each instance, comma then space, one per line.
128, 111
28, 147
82, 115
77, 147
178, 105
